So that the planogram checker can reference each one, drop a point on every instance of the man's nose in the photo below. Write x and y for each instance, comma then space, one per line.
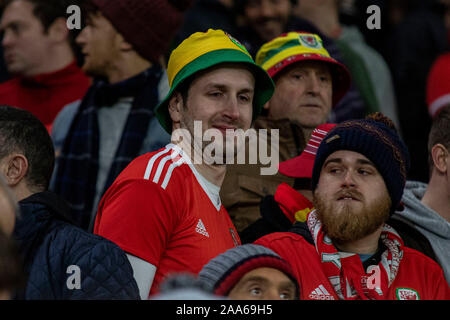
81, 38
349, 179
232, 109
313, 85
266, 9
7, 38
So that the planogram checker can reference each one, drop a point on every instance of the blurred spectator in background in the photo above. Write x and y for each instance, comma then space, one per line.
438, 85
370, 73
38, 51
208, 14
413, 46
250, 272
48, 243
95, 139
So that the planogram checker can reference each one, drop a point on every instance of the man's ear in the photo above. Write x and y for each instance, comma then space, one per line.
176, 105
58, 31
125, 46
14, 168
440, 157
122, 44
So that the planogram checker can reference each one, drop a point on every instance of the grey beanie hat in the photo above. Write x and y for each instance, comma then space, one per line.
222, 273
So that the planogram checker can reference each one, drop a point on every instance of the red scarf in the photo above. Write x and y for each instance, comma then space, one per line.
345, 270
294, 205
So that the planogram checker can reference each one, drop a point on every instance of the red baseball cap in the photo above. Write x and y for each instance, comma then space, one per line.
302, 165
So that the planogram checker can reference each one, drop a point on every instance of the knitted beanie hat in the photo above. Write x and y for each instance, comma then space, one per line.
374, 137
438, 85
148, 25
223, 272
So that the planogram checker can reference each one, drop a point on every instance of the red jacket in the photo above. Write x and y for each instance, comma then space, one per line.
46, 94
419, 277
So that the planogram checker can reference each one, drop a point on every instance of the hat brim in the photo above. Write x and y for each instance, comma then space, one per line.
341, 75
264, 86
298, 167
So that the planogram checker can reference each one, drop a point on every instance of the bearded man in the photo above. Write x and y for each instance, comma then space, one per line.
346, 250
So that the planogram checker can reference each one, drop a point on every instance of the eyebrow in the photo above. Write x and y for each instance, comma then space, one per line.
224, 87
285, 284
358, 161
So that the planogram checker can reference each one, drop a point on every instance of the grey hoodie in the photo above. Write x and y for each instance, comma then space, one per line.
434, 227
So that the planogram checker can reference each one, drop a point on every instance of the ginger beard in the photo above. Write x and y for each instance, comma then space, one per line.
346, 220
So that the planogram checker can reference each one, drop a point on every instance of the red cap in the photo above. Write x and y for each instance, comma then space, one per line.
302, 165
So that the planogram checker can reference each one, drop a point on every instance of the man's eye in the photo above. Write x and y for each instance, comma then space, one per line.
364, 172
244, 98
255, 291
297, 76
334, 170
287, 295
215, 94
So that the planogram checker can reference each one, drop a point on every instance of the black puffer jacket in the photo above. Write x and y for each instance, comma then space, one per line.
64, 262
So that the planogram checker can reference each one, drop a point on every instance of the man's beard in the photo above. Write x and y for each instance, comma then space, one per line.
345, 223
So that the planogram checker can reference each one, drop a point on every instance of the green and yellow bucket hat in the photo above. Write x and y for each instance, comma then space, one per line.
292, 47
203, 50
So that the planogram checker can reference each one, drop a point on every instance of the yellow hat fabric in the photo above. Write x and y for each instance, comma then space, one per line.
203, 50
295, 46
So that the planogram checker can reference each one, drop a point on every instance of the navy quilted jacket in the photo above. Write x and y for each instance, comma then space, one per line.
65, 262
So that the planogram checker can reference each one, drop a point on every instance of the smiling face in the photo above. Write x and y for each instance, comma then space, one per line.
221, 99
303, 94
351, 197
263, 284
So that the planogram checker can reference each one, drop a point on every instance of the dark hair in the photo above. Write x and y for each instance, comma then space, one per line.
439, 133
22, 132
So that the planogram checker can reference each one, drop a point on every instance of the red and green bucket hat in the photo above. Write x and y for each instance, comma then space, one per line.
203, 50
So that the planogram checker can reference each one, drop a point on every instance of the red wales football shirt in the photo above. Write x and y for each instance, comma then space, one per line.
158, 209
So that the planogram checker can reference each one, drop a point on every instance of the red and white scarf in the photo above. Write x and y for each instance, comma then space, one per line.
345, 270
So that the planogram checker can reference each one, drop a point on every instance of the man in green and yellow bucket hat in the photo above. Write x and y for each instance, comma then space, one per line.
205, 50
164, 209
308, 83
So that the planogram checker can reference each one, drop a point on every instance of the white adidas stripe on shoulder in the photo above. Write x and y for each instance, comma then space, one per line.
151, 162
165, 155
